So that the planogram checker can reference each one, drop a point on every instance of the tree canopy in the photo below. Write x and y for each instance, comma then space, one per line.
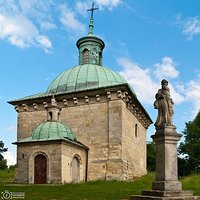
190, 148
151, 157
2, 149
3, 162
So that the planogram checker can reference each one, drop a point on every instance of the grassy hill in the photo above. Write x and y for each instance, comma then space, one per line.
98, 190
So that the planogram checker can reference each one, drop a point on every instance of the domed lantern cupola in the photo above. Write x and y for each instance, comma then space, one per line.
90, 47
53, 110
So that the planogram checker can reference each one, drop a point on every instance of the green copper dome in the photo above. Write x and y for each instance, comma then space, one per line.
50, 130
83, 77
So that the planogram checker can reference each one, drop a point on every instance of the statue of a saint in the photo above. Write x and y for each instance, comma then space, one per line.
164, 104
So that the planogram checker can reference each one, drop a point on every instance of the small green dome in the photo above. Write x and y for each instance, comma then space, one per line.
51, 130
83, 77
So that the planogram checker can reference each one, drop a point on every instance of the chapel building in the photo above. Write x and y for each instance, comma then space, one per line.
87, 125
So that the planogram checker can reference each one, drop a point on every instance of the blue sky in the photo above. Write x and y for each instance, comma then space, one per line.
146, 41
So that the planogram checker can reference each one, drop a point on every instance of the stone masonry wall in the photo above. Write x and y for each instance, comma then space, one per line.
28, 120
25, 162
90, 125
133, 147
102, 121
114, 165
68, 153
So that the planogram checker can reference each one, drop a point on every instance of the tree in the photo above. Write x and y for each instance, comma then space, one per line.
183, 167
3, 162
151, 157
190, 148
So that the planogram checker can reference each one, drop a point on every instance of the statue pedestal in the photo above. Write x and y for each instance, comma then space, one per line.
166, 186
166, 159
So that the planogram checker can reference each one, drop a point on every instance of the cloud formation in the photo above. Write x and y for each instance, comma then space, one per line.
19, 29
26, 23
21, 32
145, 83
101, 4
166, 69
69, 20
110, 4
81, 6
135, 75
190, 26
192, 92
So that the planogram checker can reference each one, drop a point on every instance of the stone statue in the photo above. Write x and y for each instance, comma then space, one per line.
164, 104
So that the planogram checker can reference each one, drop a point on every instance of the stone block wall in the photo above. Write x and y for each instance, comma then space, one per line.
25, 162
114, 165
105, 122
68, 152
28, 120
133, 144
90, 125
59, 159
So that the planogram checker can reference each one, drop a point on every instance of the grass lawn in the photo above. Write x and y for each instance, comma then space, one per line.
98, 190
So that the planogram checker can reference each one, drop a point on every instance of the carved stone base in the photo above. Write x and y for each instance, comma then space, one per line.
167, 185
163, 198
165, 195
173, 193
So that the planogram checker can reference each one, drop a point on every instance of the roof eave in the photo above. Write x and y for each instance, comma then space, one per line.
77, 143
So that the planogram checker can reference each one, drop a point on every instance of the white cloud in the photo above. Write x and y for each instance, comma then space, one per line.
17, 30
21, 32
25, 23
140, 79
84, 5
190, 26
44, 42
81, 7
17, 23
166, 69
177, 96
69, 20
144, 82
192, 92
10, 157
108, 3
40, 11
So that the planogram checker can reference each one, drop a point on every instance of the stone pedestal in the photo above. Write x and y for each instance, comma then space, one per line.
166, 186
166, 159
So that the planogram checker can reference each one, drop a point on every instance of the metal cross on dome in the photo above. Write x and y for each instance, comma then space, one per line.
92, 10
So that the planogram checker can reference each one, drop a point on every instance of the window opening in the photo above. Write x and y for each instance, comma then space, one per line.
85, 56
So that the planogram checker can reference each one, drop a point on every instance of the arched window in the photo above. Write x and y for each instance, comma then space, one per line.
58, 116
85, 56
100, 58
50, 115
136, 130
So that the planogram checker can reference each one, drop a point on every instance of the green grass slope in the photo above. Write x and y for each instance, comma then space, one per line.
97, 190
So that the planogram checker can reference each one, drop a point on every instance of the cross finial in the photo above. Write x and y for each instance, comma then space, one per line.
92, 10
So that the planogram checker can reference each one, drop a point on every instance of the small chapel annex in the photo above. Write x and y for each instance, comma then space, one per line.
87, 125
